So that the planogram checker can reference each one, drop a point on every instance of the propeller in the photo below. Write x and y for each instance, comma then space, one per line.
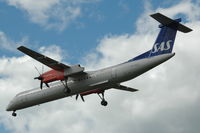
40, 77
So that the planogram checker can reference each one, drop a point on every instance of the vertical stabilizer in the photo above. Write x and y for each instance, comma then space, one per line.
166, 37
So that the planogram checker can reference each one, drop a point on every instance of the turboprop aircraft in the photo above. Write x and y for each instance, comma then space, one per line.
73, 80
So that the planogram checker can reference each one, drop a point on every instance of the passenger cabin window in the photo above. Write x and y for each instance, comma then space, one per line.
83, 78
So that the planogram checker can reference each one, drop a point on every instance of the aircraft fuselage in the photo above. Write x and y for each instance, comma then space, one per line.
101, 79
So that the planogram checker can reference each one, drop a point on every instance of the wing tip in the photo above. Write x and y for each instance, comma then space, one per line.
20, 47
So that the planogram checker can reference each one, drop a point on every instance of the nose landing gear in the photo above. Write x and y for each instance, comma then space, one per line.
103, 102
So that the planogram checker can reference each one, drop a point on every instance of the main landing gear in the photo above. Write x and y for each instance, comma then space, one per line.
67, 89
14, 114
103, 102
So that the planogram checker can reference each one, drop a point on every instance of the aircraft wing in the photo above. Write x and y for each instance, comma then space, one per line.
125, 88
44, 59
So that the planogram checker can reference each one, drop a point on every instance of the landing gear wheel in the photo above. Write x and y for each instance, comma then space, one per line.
67, 90
104, 103
14, 114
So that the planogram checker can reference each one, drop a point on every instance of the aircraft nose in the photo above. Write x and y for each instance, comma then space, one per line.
9, 107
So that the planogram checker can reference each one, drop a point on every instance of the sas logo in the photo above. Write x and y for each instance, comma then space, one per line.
162, 46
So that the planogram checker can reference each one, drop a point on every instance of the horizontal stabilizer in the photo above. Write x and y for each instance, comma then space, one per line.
174, 24
125, 88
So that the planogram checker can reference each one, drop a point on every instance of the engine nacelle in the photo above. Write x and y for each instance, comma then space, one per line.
52, 75
73, 70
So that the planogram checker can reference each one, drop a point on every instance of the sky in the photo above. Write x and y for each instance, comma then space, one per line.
97, 34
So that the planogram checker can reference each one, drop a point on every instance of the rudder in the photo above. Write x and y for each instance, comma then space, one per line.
164, 42
166, 37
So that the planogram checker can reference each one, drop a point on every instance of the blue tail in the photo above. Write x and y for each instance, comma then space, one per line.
166, 37
165, 40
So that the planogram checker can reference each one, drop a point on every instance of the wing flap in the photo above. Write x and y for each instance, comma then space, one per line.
125, 88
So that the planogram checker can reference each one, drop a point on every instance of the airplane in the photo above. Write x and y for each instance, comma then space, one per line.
73, 80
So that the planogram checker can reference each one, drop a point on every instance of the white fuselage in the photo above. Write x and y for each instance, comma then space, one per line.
102, 79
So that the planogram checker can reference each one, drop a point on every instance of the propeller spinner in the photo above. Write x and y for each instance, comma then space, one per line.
40, 78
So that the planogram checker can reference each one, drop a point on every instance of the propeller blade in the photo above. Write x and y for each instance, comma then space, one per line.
41, 83
47, 85
77, 96
42, 68
39, 78
37, 70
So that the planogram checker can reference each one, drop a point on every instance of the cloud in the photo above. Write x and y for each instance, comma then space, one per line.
167, 101
9, 44
51, 14
184, 7
17, 74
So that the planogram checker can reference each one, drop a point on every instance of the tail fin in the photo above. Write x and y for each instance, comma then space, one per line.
166, 37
